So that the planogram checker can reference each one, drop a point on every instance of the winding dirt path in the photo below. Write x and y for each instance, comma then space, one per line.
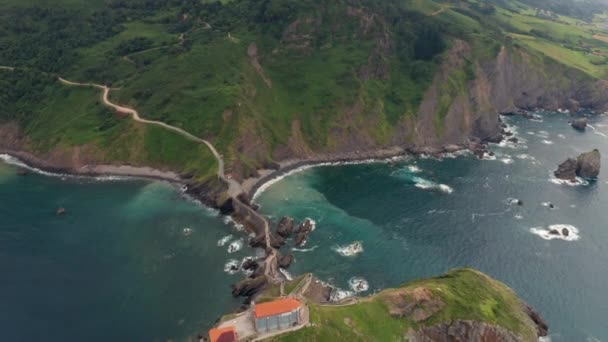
439, 11
234, 188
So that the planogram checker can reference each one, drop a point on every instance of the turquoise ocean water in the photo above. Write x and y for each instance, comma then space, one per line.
130, 261
423, 216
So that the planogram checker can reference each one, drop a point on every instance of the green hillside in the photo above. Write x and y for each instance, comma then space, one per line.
462, 294
261, 79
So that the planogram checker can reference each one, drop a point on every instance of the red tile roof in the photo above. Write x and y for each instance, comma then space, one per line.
276, 307
226, 334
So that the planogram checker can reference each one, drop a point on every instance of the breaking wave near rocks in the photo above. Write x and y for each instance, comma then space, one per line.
350, 249
358, 284
426, 184
564, 232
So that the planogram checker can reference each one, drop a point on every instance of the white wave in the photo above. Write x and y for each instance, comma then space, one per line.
524, 156
414, 169
338, 295
488, 156
536, 118
549, 205
597, 132
286, 274
547, 142
313, 223
555, 231
426, 184
350, 249
276, 179
561, 136
304, 250
518, 217
232, 266
512, 201
543, 134
235, 246
221, 242
507, 161
577, 182
531, 133
187, 231
8, 159
358, 284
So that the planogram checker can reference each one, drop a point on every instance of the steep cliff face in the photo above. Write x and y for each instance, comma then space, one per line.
462, 331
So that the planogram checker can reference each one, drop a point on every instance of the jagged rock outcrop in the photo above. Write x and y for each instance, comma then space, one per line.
250, 265
249, 287
567, 170
587, 165
302, 232
285, 260
573, 105
462, 331
579, 124
285, 227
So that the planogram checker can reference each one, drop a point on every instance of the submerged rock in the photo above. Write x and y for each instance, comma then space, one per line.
579, 124
285, 226
588, 164
60, 211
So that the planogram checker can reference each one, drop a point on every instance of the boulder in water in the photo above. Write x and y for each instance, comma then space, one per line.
579, 124
302, 232
250, 264
588, 164
285, 227
565, 232
60, 211
567, 170
285, 260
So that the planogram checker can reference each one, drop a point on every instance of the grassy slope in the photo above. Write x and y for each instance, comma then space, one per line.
63, 117
468, 295
566, 40
194, 85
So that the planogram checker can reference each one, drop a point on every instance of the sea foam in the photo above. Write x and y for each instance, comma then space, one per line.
235, 246
358, 284
221, 242
350, 249
426, 184
545, 233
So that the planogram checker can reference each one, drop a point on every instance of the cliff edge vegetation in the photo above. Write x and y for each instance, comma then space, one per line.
462, 305
270, 80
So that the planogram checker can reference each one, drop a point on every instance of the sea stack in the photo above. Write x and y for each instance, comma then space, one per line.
579, 124
587, 165
285, 227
